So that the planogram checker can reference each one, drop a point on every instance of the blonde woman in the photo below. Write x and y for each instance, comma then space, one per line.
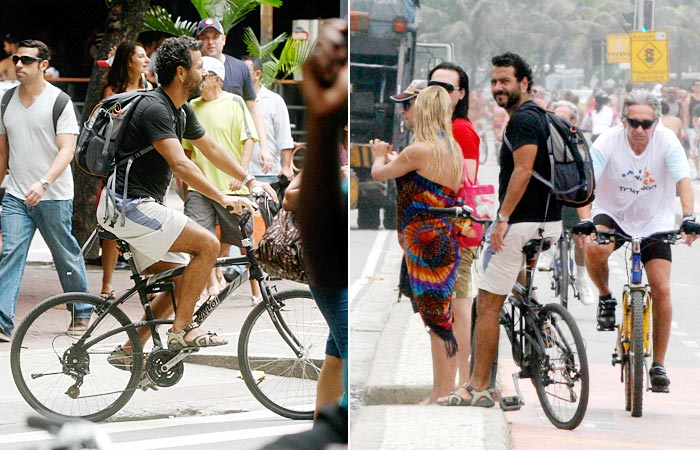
428, 174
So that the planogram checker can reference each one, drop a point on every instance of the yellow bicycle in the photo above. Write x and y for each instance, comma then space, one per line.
634, 342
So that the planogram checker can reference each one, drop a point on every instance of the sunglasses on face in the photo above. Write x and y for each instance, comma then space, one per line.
646, 124
26, 60
407, 105
449, 87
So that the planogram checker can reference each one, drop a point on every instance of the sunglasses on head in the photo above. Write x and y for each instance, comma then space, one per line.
449, 87
26, 60
646, 124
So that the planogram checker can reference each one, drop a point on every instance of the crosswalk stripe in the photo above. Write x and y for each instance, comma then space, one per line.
210, 438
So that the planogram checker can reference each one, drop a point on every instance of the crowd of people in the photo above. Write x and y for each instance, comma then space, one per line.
628, 134
214, 127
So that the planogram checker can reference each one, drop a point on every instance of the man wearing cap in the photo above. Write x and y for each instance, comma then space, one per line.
237, 79
225, 117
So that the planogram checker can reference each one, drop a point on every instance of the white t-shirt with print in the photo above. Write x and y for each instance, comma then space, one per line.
638, 191
33, 146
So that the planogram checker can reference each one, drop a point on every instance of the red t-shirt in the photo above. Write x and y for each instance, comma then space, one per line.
467, 138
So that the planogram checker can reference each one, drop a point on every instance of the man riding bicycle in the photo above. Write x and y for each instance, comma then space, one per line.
639, 166
160, 237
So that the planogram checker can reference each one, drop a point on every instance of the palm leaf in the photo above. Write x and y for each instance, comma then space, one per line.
158, 19
293, 55
270, 70
255, 48
238, 9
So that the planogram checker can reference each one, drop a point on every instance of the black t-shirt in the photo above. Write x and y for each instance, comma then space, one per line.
155, 118
528, 125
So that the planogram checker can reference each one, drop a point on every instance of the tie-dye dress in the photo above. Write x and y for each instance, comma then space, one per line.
431, 254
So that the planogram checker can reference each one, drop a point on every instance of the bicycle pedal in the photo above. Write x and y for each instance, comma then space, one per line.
599, 328
511, 403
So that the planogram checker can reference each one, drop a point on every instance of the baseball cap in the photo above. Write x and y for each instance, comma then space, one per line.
410, 92
214, 65
209, 23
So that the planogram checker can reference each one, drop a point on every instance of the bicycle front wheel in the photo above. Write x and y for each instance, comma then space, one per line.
636, 355
280, 352
560, 375
58, 375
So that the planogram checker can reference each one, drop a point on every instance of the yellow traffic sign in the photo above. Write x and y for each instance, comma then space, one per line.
649, 56
618, 48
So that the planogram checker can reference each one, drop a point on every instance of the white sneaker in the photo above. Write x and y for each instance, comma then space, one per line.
584, 289
545, 262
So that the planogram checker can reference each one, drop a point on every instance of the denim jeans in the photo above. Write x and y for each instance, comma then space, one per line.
19, 223
333, 304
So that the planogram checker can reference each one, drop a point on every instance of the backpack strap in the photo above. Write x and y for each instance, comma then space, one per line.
7, 96
58, 107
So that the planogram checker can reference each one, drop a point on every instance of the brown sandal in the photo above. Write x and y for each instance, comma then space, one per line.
176, 341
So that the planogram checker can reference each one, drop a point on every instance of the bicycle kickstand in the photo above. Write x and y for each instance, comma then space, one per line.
513, 402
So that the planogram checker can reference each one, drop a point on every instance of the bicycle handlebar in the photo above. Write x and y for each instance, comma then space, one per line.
463, 212
667, 237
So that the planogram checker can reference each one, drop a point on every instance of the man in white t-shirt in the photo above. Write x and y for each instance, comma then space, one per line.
277, 127
639, 166
40, 185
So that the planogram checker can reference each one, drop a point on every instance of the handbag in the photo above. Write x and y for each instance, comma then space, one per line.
482, 199
280, 252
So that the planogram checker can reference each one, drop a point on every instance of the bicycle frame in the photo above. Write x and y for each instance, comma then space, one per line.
162, 282
635, 285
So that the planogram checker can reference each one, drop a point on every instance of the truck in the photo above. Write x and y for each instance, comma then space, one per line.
384, 55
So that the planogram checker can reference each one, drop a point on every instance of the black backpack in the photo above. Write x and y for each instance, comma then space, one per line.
58, 106
572, 180
103, 133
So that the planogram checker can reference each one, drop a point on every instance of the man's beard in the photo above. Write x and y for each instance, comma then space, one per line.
513, 99
193, 88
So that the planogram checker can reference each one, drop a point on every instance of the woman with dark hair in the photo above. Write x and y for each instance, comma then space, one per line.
127, 73
455, 80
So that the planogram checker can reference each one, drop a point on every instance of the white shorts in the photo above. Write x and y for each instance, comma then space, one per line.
150, 229
496, 272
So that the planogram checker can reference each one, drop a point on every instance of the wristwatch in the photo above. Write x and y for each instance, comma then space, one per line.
501, 218
247, 179
44, 184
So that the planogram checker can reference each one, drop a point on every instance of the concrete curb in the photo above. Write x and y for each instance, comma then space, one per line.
430, 427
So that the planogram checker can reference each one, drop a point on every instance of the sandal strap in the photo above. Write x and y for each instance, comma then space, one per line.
477, 396
190, 327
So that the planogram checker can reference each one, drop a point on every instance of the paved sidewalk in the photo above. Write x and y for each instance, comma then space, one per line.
391, 371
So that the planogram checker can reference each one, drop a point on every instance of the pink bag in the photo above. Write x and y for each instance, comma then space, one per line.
482, 199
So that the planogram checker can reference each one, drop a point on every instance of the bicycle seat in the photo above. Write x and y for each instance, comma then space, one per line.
532, 246
104, 234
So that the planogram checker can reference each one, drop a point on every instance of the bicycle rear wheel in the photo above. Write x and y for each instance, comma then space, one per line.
60, 376
636, 355
282, 377
560, 375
